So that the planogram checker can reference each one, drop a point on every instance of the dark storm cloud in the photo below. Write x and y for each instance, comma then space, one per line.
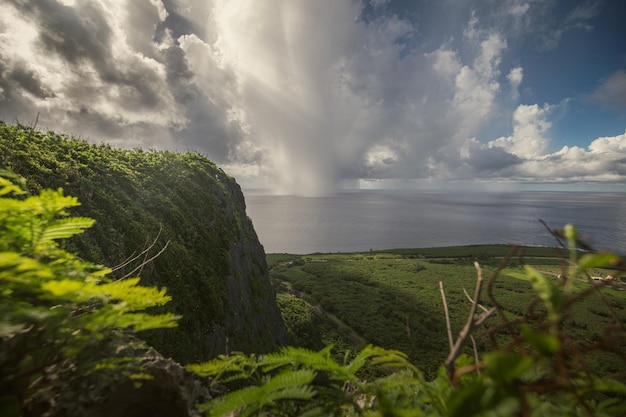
489, 160
76, 33
141, 21
107, 126
207, 128
14, 105
179, 75
23, 78
82, 35
120, 84
182, 20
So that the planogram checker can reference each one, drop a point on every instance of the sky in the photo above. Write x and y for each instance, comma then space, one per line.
306, 96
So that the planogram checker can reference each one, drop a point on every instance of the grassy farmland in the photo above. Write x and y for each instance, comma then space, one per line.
392, 299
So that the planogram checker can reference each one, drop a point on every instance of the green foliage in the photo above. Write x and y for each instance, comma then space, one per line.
392, 299
179, 200
54, 307
302, 382
548, 292
301, 321
383, 299
536, 364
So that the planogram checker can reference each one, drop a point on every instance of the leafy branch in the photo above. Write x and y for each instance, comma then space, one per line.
54, 307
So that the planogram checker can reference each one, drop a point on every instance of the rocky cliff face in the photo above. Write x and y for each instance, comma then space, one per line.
176, 220
254, 323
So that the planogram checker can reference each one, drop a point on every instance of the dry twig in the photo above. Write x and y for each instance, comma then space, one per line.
472, 322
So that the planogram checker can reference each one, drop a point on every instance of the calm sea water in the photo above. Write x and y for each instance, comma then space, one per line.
364, 220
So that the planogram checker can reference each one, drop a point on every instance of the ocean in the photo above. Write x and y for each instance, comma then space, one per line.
366, 220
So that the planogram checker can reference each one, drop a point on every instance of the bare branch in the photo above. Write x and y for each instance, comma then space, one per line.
144, 252
481, 319
445, 309
470, 325
483, 308
556, 236
145, 262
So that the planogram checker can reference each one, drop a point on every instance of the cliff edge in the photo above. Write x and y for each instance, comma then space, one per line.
176, 220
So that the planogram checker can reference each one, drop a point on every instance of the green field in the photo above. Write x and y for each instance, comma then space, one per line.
392, 298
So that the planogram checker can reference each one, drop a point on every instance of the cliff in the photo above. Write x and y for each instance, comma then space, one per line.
176, 220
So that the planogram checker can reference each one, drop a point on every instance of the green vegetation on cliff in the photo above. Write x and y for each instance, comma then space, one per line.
178, 206
56, 310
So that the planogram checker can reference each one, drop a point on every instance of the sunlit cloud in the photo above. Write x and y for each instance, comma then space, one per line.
530, 130
301, 95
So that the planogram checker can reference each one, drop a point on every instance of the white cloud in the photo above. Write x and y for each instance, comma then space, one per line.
158, 4
471, 31
603, 161
518, 9
515, 77
488, 60
584, 11
476, 85
575, 20
615, 145
446, 63
379, 160
530, 128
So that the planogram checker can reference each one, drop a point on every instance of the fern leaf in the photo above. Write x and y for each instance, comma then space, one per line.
294, 356
231, 402
66, 288
142, 321
287, 385
391, 358
225, 368
65, 228
288, 379
359, 361
135, 296
7, 187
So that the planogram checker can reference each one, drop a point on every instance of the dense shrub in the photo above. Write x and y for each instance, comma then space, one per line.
55, 308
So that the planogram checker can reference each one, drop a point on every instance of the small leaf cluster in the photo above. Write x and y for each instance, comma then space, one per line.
302, 382
54, 307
